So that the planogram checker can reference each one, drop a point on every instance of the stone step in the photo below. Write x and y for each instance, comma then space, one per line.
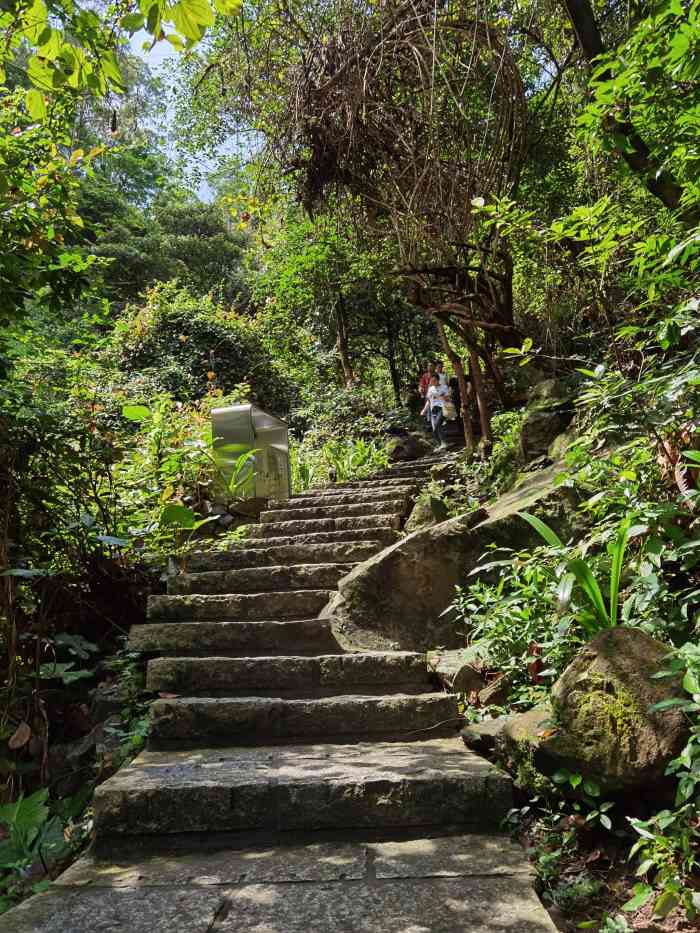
260, 579
350, 497
420, 881
292, 604
377, 507
235, 639
369, 671
267, 720
348, 552
350, 485
383, 533
312, 526
304, 787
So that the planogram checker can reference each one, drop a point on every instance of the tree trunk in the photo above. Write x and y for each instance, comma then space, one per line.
469, 442
341, 341
478, 383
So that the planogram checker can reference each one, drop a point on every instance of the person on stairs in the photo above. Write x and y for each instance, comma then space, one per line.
434, 407
424, 384
440, 372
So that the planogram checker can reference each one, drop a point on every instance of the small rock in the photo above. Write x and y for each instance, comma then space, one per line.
483, 736
497, 692
408, 447
225, 519
426, 512
457, 670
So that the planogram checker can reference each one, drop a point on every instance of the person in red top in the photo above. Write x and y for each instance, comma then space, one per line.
424, 383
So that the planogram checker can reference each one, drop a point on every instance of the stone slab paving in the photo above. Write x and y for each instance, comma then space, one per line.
393, 883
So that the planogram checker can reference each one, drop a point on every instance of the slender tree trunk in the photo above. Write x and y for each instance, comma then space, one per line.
341, 341
469, 442
391, 357
478, 383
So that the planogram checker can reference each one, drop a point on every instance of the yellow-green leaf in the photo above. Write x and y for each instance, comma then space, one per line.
191, 17
35, 103
35, 21
227, 7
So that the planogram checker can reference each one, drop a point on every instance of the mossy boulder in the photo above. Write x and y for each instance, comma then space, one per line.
427, 511
600, 723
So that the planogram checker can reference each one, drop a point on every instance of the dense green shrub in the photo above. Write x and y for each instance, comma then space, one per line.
191, 346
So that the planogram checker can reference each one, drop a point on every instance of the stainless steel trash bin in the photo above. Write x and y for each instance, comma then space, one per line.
241, 428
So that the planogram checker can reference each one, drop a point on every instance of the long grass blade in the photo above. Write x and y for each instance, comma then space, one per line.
618, 554
545, 532
589, 585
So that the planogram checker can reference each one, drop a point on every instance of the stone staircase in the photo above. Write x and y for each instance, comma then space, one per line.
290, 785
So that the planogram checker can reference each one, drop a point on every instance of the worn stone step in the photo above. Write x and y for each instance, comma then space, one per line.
347, 552
260, 579
388, 483
350, 497
430, 880
257, 720
370, 671
358, 523
304, 787
292, 604
235, 639
378, 507
384, 533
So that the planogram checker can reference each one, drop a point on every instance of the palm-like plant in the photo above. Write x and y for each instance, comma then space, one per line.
579, 571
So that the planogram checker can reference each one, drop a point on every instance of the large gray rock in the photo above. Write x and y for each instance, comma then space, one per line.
397, 598
600, 724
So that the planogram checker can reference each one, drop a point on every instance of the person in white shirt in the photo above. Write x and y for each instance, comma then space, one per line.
434, 403
440, 370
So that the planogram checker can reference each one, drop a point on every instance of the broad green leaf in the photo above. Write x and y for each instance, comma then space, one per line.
642, 893
179, 515
136, 412
26, 813
691, 682
132, 22
227, 7
665, 904
191, 17
35, 21
545, 532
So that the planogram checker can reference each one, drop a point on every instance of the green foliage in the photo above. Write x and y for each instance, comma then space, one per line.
336, 461
653, 78
583, 575
192, 347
